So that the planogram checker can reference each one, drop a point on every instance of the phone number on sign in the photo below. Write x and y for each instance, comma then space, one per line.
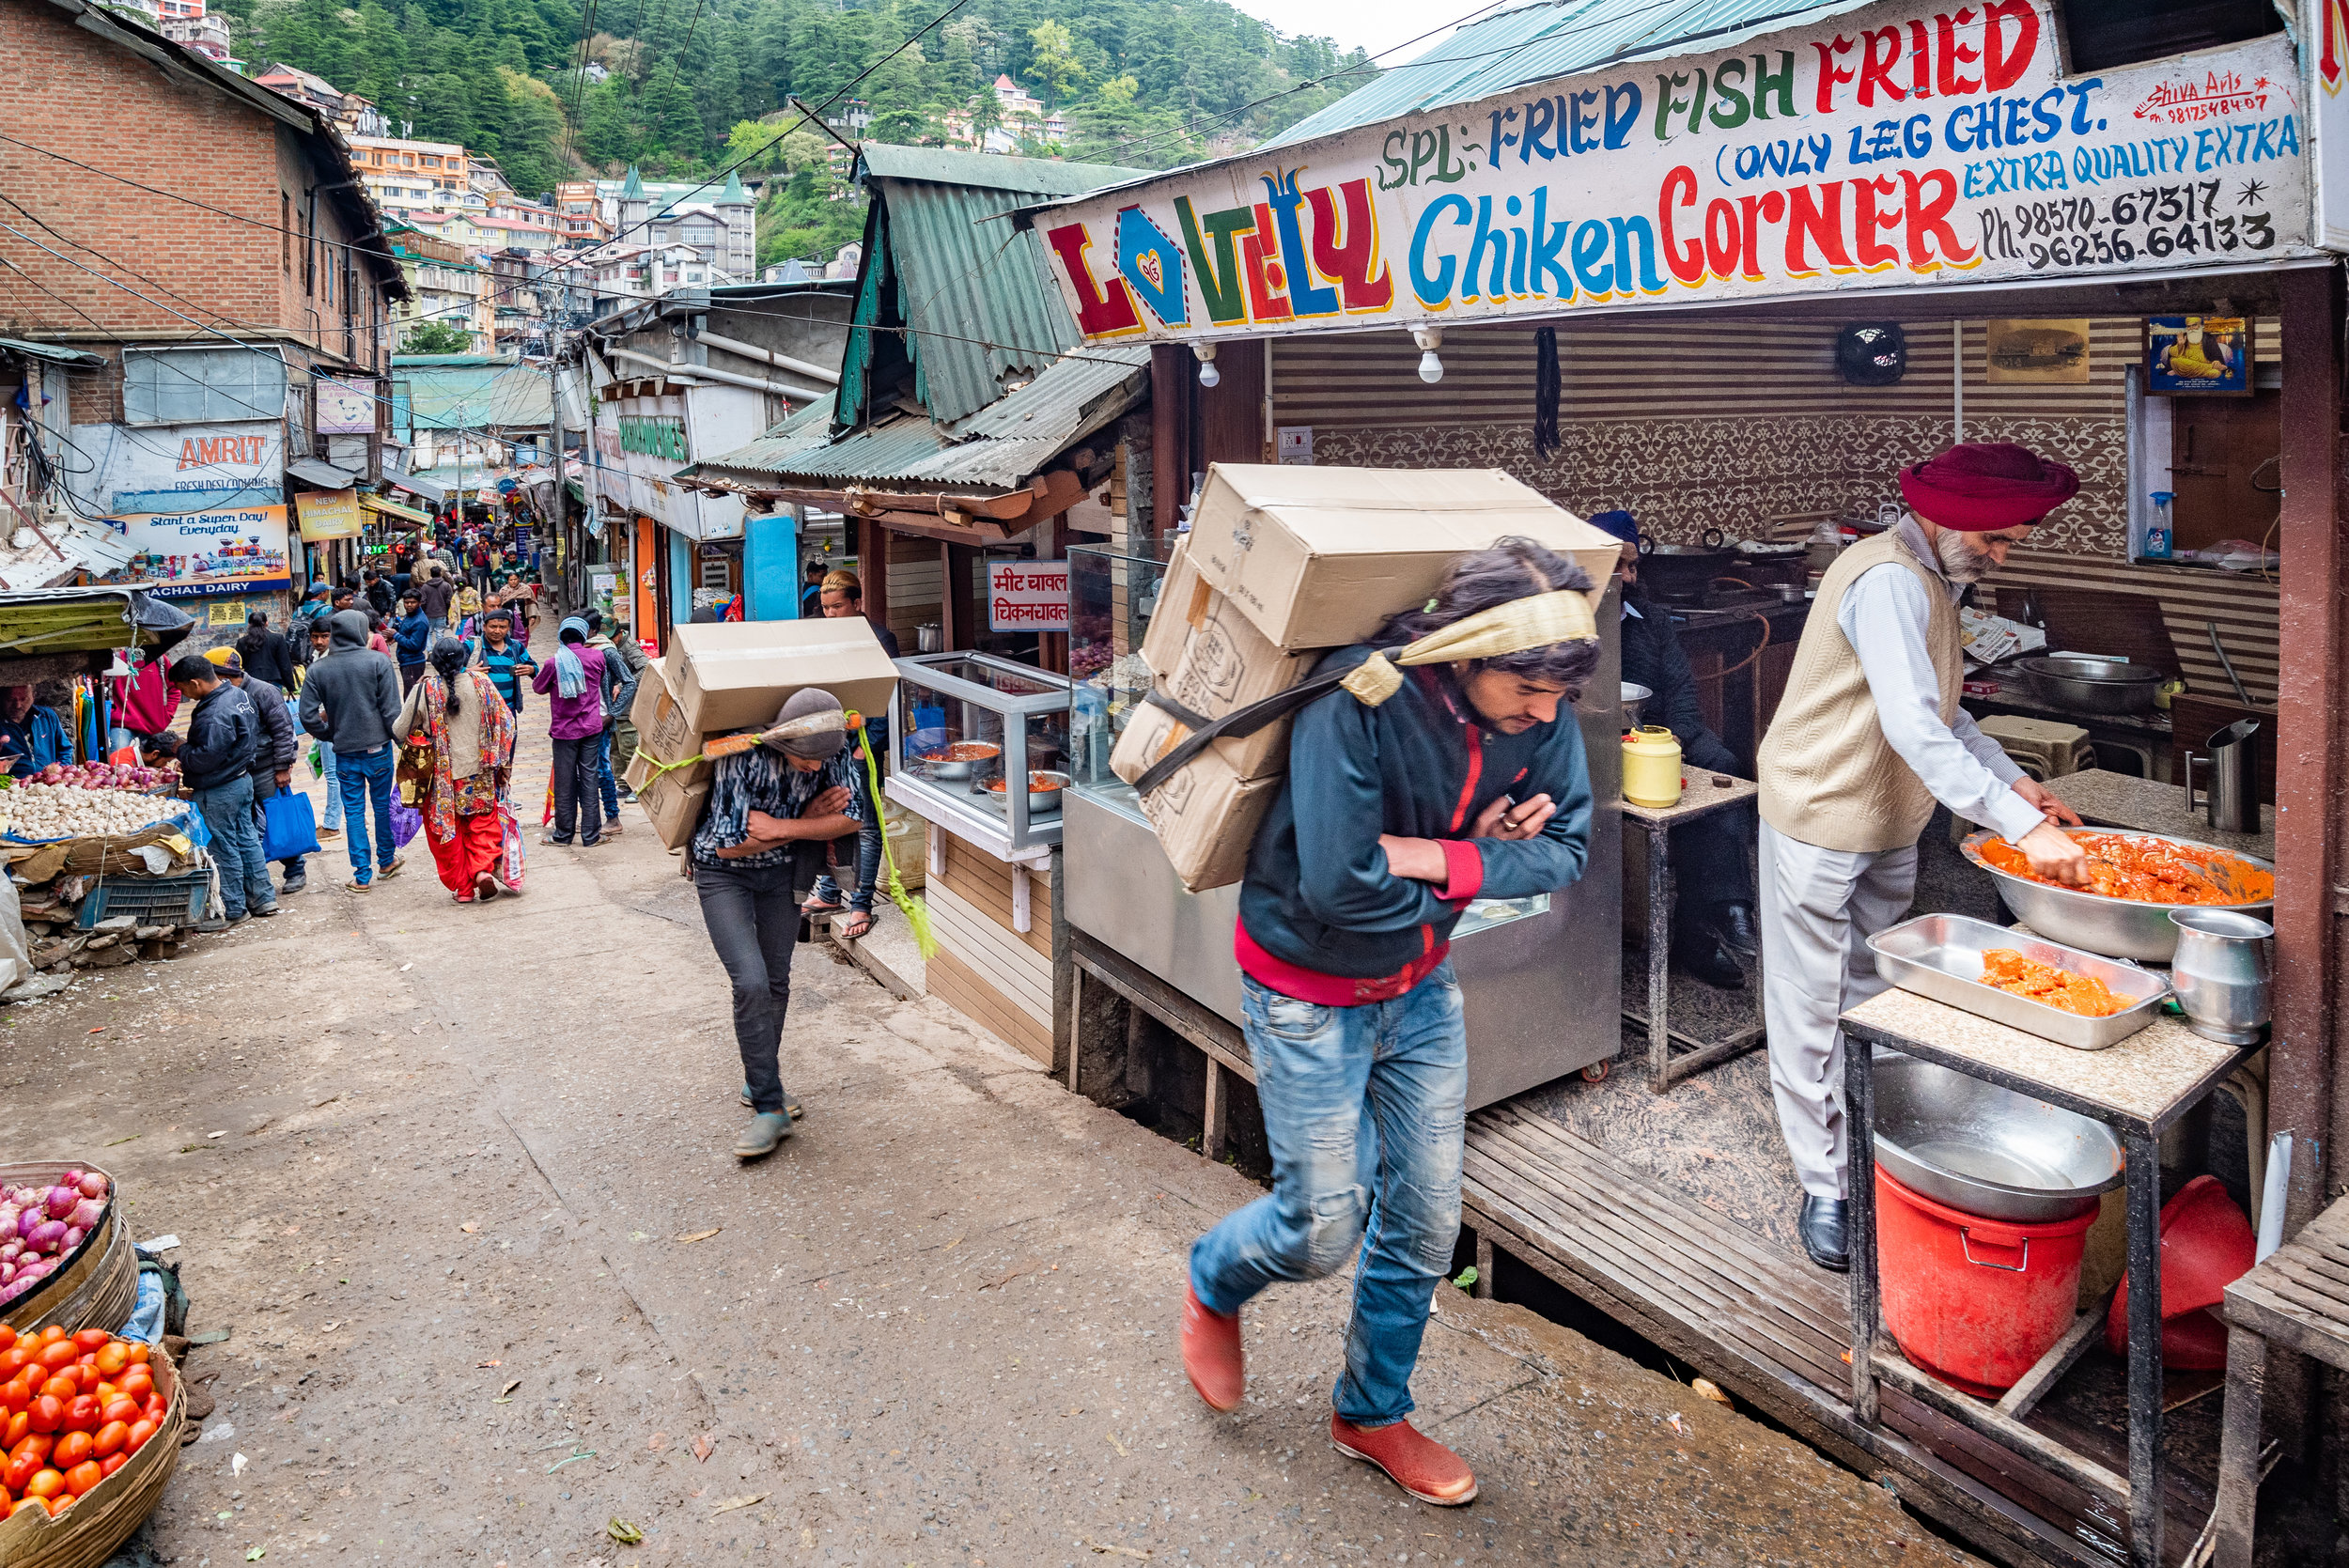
2157, 221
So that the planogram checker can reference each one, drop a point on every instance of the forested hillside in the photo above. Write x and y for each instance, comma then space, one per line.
695, 84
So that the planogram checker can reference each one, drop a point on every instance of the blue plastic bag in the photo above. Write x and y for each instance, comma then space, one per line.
287, 826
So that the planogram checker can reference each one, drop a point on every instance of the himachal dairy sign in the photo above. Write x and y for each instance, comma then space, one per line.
1892, 145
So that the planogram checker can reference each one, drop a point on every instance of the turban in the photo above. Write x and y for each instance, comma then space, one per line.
1985, 485
1618, 524
228, 660
811, 726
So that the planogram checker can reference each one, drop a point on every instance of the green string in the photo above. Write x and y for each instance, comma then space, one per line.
917, 915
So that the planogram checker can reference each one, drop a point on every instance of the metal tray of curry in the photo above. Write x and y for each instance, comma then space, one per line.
1947, 957
2139, 879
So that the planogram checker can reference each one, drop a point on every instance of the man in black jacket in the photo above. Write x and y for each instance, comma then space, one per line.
274, 762
350, 701
216, 763
1713, 925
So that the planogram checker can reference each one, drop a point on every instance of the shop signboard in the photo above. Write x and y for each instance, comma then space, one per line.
226, 550
651, 438
328, 515
1027, 595
135, 468
346, 408
1901, 145
2325, 25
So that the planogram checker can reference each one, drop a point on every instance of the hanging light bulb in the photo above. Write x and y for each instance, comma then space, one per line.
1208, 374
1429, 339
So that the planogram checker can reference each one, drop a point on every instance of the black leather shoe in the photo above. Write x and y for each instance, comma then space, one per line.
1734, 925
1826, 1232
1702, 955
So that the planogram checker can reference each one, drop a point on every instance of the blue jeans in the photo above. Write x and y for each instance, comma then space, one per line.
334, 791
1365, 1107
365, 776
610, 785
227, 810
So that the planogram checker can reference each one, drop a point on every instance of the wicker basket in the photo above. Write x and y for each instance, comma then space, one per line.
106, 1514
98, 1286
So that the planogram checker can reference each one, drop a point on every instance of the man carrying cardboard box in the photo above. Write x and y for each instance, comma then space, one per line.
1412, 791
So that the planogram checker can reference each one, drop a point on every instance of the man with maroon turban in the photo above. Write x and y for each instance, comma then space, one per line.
1867, 737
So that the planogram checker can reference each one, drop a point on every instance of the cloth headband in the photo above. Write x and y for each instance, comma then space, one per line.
1535, 621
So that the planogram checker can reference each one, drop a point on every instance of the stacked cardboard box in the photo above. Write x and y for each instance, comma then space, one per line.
735, 675
1282, 565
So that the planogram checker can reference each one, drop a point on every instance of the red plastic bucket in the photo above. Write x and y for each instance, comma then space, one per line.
1975, 1301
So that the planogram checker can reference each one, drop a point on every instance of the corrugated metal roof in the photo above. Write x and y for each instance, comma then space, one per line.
974, 288
1544, 41
1000, 446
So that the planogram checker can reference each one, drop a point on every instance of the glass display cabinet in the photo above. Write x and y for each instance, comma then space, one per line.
966, 726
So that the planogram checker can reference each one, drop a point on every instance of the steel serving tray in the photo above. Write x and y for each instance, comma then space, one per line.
1940, 957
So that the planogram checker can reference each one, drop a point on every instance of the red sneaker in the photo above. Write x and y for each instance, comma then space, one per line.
1211, 1355
1412, 1460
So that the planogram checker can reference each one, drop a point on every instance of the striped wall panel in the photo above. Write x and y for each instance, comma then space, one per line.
2243, 606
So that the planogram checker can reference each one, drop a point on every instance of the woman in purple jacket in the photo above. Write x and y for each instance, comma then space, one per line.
574, 677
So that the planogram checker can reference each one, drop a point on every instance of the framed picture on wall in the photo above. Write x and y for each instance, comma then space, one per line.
2198, 356
2038, 353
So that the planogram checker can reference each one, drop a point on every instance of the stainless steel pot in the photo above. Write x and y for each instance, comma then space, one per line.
2116, 928
951, 771
1680, 574
1987, 1150
1633, 695
1041, 802
2092, 684
2221, 974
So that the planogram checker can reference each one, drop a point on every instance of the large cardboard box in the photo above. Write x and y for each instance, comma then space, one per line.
1205, 818
728, 675
661, 724
673, 799
1321, 557
1212, 659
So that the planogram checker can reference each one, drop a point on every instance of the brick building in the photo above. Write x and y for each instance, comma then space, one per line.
229, 337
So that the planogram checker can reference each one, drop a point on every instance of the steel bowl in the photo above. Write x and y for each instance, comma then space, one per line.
1987, 1150
945, 767
1633, 695
1041, 802
2092, 684
2116, 928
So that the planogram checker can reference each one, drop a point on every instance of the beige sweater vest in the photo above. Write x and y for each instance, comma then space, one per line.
1829, 776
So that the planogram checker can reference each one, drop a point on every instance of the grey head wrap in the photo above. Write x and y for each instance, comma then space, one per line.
818, 726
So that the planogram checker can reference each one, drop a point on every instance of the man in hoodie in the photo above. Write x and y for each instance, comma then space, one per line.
351, 702
272, 764
216, 764
411, 635
436, 593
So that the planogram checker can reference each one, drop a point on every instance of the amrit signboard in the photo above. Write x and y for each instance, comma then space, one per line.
1895, 145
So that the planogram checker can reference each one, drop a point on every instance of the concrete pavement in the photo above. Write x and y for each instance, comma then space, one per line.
494, 1281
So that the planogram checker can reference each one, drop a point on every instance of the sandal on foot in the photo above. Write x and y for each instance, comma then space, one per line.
858, 923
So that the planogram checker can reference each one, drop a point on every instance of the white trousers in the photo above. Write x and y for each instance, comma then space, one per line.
1819, 907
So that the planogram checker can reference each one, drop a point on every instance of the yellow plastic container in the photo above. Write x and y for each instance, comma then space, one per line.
1651, 768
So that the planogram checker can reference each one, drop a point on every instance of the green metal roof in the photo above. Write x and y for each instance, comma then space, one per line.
998, 447
973, 290
1546, 40
733, 196
52, 352
473, 391
635, 187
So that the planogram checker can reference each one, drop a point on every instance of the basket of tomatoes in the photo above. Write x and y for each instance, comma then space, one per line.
92, 1435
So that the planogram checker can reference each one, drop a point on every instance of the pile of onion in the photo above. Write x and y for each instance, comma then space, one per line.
40, 1226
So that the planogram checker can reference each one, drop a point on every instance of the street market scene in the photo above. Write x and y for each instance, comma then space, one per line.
1245, 784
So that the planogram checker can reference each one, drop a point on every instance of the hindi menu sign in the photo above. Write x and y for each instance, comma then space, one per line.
1027, 595
1902, 145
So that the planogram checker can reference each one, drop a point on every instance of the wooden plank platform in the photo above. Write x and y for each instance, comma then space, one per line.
1774, 1331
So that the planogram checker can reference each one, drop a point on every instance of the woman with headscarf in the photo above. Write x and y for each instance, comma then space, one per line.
797, 791
574, 677
455, 715
506, 660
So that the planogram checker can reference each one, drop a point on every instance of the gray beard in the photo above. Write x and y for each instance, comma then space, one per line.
1959, 563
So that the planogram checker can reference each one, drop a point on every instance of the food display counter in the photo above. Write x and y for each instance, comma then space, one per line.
1538, 975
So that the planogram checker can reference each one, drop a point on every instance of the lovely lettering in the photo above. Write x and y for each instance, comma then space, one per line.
216, 451
1900, 144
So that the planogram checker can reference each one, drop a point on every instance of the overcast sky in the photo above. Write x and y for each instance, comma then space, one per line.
1374, 24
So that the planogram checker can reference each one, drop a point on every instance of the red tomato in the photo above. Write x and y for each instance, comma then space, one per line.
20, 1469
19, 1425
71, 1450
22, 1503
113, 1357
82, 1477
82, 1414
140, 1431
59, 1355
93, 1339
51, 1334
16, 1393
36, 1445
48, 1413
138, 1383
13, 1360
121, 1409
139, 1351
45, 1483
114, 1462
109, 1439
62, 1388
7, 1336
155, 1409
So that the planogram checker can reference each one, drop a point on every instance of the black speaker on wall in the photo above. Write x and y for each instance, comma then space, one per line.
1871, 353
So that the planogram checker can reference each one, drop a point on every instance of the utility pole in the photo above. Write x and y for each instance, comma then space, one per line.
573, 579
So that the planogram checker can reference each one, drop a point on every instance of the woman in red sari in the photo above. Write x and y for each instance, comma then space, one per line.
461, 735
